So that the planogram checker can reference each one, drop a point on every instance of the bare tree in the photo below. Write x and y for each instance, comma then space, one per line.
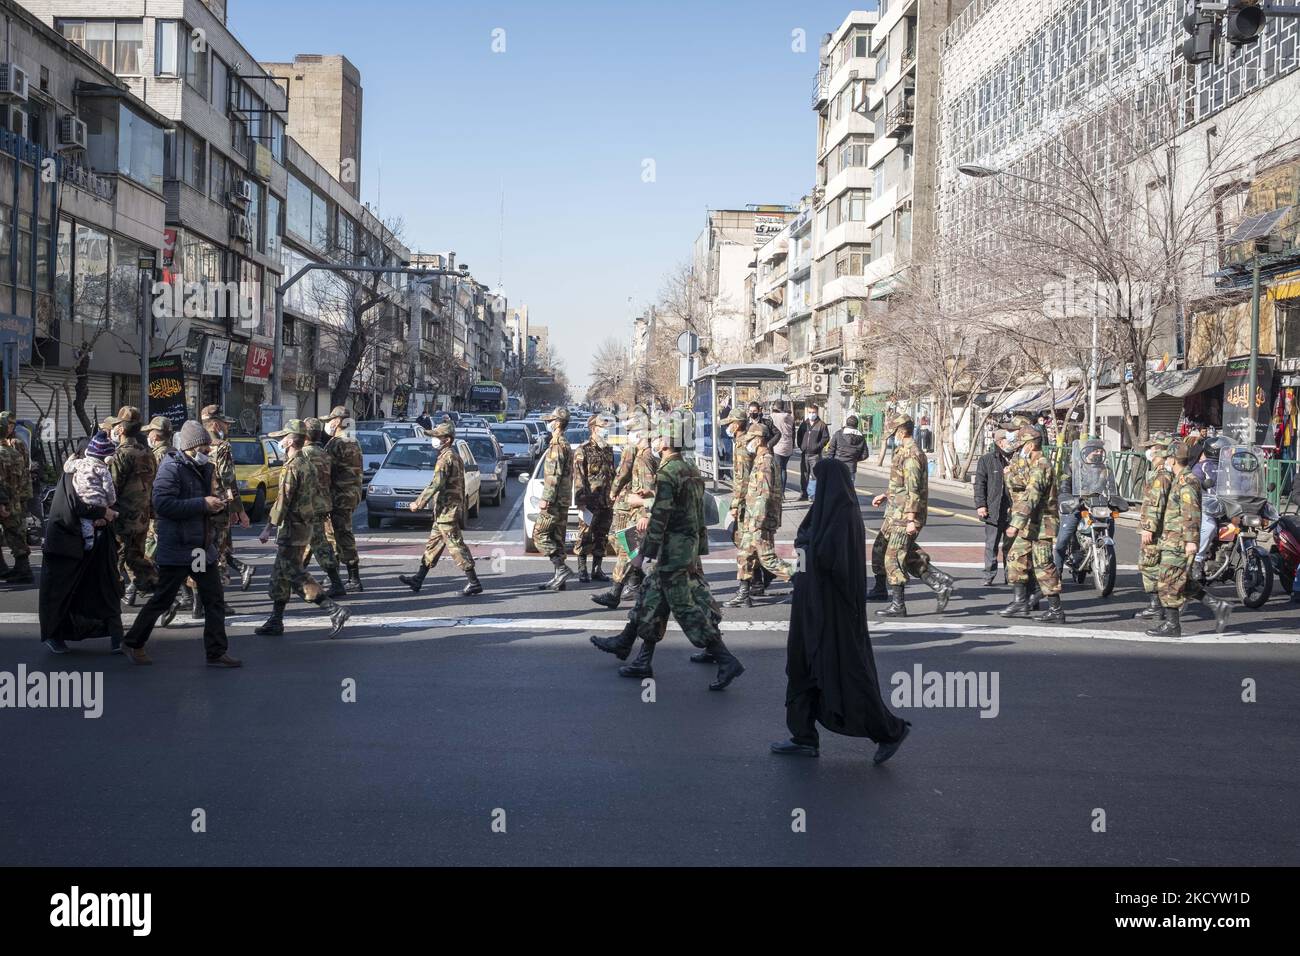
611, 374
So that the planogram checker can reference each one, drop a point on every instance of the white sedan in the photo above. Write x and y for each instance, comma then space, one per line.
404, 475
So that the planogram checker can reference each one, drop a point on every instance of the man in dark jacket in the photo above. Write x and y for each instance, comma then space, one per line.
811, 437
993, 505
183, 506
848, 444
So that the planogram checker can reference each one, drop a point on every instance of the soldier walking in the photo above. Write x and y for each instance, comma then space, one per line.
322, 532
635, 479
895, 554
557, 496
1155, 495
16, 482
675, 539
1016, 475
1035, 518
742, 463
446, 492
133, 468
1179, 535
760, 518
347, 470
295, 506
593, 475
226, 487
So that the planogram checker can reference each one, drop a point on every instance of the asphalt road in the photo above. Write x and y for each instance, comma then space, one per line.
497, 708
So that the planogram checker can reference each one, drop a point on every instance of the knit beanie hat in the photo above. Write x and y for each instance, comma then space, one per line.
192, 436
101, 446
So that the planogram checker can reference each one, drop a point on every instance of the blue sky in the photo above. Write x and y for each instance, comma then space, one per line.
562, 119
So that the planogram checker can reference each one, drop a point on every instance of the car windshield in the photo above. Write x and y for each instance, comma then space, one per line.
515, 434
482, 449
247, 452
415, 455
372, 443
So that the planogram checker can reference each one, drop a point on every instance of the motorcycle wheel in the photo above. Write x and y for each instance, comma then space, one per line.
1103, 578
1254, 580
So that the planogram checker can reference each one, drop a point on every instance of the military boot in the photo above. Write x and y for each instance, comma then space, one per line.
1172, 626
1153, 611
610, 598
897, 602
275, 623
354, 576
742, 598
475, 586
415, 581
941, 584
705, 656
21, 572
338, 615
1053, 614
620, 645
1035, 599
758, 585
561, 578
597, 574
633, 580
880, 591
728, 667
1019, 606
583, 576
1221, 608
336, 588
640, 667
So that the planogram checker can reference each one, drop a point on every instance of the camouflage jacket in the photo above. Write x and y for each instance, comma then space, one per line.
295, 504
677, 534
909, 486
159, 451
323, 464
762, 495
20, 484
12, 474
224, 483
1154, 498
622, 485
1036, 514
643, 477
593, 474
1016, 476
446, 489
346, 472
557, 470
742, 464
1180, 522
133, 469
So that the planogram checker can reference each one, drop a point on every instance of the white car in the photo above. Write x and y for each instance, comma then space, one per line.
404, 475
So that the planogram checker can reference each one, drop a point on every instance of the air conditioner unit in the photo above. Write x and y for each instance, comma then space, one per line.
15, 118
13, 82
818, 384
241, 228
817, 368
73, 133
241, 192
847, 380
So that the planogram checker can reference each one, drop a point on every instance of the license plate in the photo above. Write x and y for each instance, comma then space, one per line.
570, 536
401, 504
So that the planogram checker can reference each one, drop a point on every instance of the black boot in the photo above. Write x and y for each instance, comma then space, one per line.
1152, 612
1035, 599
620, 645
1172, 625
561, 577
640, 666
633, 581
21, 572
338, 615
336, 588
897, 603
196, 605
758, 586
742, 598
130, 595
596, 573
941, 584
1053, 614
415, 581
880, 592
1019, 606
704, 657
475, 586
275, 623
354, 577
728, 667
611, 597
583, 576
1221, 608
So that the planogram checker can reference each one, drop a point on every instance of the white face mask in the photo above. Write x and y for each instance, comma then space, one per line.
331, 427
656, 449
201, 458
753, 446
812, 416
601, 433
633, 437
1151, 455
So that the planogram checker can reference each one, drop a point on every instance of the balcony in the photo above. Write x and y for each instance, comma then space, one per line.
99, 186
898, 121
909, 56
821, 88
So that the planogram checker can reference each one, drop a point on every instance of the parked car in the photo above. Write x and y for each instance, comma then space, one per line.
535, 430
399, 430
493, 463
516, 441
258, 465
472, 421
406, 472
533, 503
375, 446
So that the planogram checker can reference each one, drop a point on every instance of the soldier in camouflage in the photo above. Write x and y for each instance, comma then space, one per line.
1016, 477
133, 468
226, 487
446, 492
322, 531
557, 496
895, 553
1155, 495
742, 463
635, 477
295, 507
1179, 537
16, 482
347, 478
760, 517
1035, 516
676, 537
593, 476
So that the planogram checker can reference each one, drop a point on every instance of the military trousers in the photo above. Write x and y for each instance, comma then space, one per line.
760, 548
322, 545
15, 532
548, 533
1149, 566
683, 593
746, 561
345, 542
593, 538
895, 555
447, 536
288, 576
133, 560
620, 520
1174, 582
1033, 561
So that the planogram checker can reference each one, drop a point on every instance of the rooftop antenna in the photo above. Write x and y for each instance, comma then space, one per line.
501, 244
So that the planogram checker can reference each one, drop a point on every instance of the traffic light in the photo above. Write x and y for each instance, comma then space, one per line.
1202, 25
1243, 22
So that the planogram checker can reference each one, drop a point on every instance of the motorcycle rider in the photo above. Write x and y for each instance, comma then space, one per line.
1093, 455
1206, 471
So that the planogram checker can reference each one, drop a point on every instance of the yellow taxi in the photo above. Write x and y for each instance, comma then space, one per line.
257, 466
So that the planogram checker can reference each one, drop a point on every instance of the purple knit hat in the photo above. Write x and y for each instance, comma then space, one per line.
101, 446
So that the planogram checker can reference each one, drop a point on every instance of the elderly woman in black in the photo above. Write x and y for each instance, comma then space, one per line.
830, 670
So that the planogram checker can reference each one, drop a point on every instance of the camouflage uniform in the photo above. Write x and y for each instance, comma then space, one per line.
224, 486
1016, 477
133, 468
16, 482
1155, 497
760, 519
346, 479
1180, 525
159, 451
621, 518
742, 464
593, 475
322, 531
895, 553
557, 496
447, 492
1036, 516
296, 505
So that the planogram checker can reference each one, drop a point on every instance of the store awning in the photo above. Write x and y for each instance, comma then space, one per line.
1048, 400
1184, 382
1018, 396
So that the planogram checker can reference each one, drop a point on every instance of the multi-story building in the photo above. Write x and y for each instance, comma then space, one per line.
783, 290
325, 111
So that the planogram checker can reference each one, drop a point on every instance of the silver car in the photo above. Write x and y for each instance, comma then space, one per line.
493, 463
516, 442
404, 475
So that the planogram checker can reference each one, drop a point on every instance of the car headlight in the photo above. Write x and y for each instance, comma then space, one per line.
380, 490
243, 485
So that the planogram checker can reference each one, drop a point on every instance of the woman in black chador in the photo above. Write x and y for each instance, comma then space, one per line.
830, 670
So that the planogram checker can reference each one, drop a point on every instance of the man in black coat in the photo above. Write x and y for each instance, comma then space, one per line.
993, 505
812, 436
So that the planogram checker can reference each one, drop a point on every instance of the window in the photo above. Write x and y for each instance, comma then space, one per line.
90, 287
255, 218
220, 84
166, 45
299, 218
219, 172
116, 44
196, 67
273, 206
320, 230
277, 139
130, 47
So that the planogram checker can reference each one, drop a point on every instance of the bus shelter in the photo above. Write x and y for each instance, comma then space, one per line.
718, 389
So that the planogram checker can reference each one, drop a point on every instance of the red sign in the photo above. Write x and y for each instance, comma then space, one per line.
258, 366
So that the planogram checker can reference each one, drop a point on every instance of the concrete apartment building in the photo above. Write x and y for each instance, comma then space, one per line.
325, 112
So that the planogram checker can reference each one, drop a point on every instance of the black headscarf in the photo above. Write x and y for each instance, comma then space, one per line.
828, 649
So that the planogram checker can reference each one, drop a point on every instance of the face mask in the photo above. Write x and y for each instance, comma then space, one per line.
1151, 455
812, 417
633, 437
753, 446
656, 449
601, 433
201, 458
331, 428
285, 448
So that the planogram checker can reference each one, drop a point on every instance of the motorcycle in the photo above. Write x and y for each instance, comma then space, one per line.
1097, 501
1241, 506
1286, 542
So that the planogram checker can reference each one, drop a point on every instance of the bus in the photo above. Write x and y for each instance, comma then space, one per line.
514, 408
487, 400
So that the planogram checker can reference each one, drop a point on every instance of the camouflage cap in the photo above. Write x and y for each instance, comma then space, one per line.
1028, 433
559, 415
159, 423
126, 415
595, 421
897, 420
213, 413
338, 411
442, 430
1158, 440
315, 428
294, 426
737, 417
1021, 421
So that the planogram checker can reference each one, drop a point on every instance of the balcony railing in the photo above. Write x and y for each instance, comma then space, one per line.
821, 88
899, 119
909, 56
